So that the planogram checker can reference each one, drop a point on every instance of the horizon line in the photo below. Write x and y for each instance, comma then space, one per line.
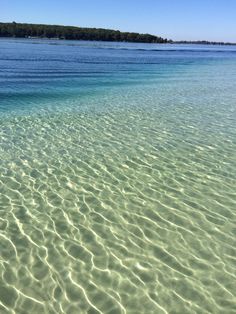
197, 41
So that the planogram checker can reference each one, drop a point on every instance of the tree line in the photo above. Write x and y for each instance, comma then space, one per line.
74, 33
204, 42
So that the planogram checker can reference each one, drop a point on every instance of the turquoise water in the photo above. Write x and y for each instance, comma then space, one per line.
118, 178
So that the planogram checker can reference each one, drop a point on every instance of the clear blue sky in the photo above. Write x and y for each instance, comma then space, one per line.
174, 19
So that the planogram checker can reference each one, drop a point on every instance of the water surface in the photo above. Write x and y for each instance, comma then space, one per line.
118, 178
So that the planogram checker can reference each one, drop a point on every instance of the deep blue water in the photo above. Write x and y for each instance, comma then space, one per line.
35, 70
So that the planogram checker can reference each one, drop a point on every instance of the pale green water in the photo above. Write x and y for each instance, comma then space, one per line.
118, 179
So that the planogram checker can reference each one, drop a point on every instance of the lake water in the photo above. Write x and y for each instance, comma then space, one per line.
118, 178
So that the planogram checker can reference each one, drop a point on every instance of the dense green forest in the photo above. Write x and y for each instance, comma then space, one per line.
71, 32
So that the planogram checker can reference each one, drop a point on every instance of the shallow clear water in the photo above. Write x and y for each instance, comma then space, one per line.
118, 178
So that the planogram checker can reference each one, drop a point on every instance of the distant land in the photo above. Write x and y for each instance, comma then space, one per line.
20, 30
203, 42
25, 30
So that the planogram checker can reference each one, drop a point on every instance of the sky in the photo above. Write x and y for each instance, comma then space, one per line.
213, 20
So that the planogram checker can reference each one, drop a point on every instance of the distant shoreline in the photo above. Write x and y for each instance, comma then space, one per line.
168, 42
204, 42
23, 30
59, 32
